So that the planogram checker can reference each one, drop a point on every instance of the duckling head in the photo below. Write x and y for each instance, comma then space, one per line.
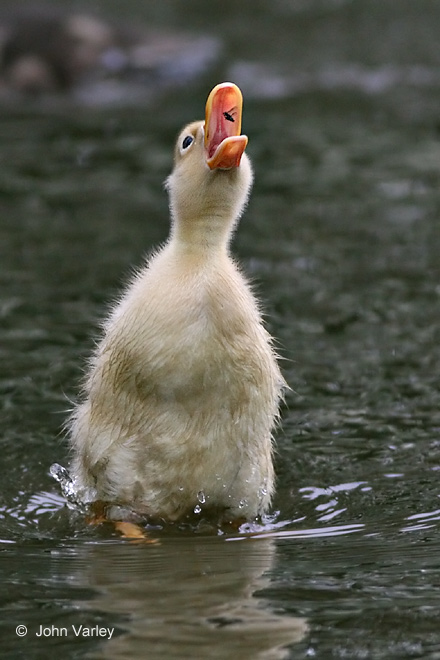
212, 176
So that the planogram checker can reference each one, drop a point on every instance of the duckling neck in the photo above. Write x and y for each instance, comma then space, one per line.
206, 207
203, 235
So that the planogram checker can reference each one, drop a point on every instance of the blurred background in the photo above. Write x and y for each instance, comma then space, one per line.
341, 106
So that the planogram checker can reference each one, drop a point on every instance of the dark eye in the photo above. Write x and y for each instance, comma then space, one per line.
187, 141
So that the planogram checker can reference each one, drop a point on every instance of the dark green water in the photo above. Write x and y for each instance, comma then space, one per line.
342, 235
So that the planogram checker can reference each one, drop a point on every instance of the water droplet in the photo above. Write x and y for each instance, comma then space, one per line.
197, 508
269, 518
73, 494
242, 504
201, 497
181, 488
60, 474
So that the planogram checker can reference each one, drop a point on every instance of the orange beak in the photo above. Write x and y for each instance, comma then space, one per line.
224, 146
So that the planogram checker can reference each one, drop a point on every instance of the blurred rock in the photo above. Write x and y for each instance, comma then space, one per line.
95, 61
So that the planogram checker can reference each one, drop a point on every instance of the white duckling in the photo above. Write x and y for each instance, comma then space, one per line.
182, 393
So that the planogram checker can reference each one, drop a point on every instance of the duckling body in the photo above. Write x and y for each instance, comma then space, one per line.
183, 390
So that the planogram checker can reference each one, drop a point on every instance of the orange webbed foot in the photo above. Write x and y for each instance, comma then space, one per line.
128, 530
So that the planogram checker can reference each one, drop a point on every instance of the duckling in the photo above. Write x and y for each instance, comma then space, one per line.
182, 392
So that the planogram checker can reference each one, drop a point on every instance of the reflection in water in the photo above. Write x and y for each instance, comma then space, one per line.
422, 521
340, 530
186, 597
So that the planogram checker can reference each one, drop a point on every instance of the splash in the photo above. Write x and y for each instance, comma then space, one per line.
73, 495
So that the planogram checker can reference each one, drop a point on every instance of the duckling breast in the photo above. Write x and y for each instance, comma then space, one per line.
182, 396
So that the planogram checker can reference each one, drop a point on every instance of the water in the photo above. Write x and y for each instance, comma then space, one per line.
342, 235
